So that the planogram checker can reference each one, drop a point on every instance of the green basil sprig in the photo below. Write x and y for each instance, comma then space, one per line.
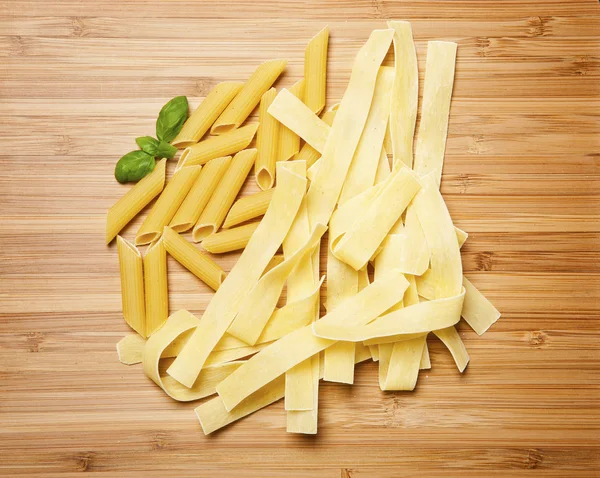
158, 149
171, 118
134, 166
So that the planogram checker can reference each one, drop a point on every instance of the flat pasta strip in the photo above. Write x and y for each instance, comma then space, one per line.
214, 213
166, 205
449, 336
155, 287
206, 114
194, 203
461, 236
267, 140
315, 71
305, 421
293, 114
132, 285
289, 141
248, 207
302, 344
218, 146
307, 152
230, 239
435, 109
425, 360
246, 100
224, 306
383, 167
405, 94
136, 199
404, 365
199, 264
479, 312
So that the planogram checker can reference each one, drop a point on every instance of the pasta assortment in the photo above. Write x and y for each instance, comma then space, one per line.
251, 347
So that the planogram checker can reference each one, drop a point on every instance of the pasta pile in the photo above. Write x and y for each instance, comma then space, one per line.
394, 270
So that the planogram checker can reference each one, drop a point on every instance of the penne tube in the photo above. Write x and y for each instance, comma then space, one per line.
248, 207
310, 154
246, 100
166, 205
289, 141
217, 146
315, 71
132, 285
215, 211
136, 199
207, 113
199, 264
155, 286
188, 213
230, 239
267, 139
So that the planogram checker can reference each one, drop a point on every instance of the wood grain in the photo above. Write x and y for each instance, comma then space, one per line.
80, 80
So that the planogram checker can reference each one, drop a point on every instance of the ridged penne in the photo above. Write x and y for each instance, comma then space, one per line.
246, 100
248, 207
207, 113
267, 139
289, 142
199, 264
138, 197
215, 211
166, 205
188, 213
218, 146
315, 71
310, 154
132, 285
155, 287
230, 239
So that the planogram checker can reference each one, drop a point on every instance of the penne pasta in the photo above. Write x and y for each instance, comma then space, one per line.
315, 71
206, 114
132, 285
218, 146
310, 154
230, 239
155, 287
267, 140
136, 199
199, 264
248, 207
246, 100
289, 141
215, 211
166, 206
194, 203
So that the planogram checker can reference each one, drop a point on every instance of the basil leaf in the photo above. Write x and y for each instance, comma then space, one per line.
171, 118
148, 144
134, 166
165, 150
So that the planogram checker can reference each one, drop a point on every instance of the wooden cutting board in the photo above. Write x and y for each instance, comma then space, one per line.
81, 79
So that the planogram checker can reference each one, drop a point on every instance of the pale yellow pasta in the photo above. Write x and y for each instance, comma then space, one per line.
435, 109
192, 259
246, 100
425, 360
315, 71
248, 207
449, 336
267, 140
155, 286
387, 139
136, 199
311, 173
218, 206
194, 203
132, 285
230, 239
274, 262
383, 167
405, 94
404, 364
461, 236
289, 142
479, 312
206, 114
166, 205
307, 152
218, 146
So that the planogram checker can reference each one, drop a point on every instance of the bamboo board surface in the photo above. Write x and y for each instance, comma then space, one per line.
80, 80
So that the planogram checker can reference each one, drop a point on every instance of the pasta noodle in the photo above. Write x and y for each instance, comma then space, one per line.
218, 146
194, 203
136, 199
315, 71
246, 100
289, 141
132, 285
218, 206
267, 140
307, 152
478, 312
248, 207
192, 259
166, 205
155, 286
206, 114
229, 239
